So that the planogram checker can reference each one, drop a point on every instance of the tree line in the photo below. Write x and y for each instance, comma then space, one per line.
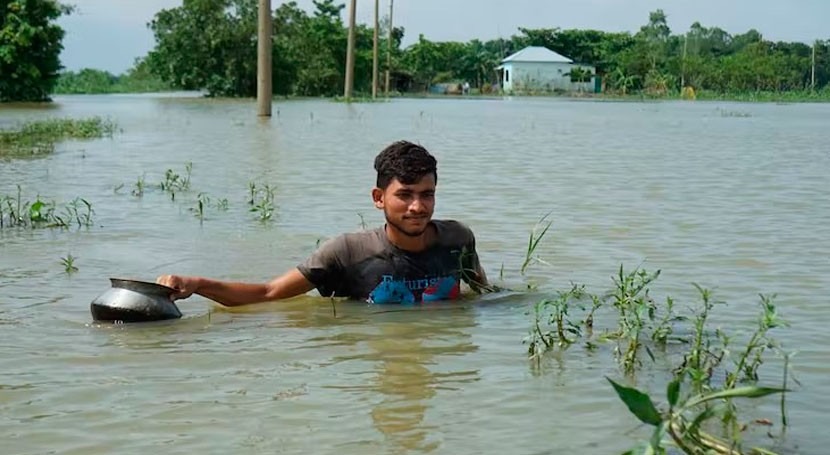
207, 44
210, 45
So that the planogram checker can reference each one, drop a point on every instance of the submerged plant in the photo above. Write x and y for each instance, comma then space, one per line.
222, 204
15, 212
554, 313
202, 202
262, 200
39, 137
640, 325
82, 217
139, 186
174, 182
746, 366
68, 263
636, 309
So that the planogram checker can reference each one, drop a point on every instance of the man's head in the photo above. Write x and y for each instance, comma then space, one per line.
404, 161
405, 191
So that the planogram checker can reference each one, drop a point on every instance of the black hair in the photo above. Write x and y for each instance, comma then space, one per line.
406, 162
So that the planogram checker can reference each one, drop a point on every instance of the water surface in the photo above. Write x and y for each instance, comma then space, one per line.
731, 196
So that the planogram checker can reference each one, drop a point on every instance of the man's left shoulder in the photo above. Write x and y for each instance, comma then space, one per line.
454, 232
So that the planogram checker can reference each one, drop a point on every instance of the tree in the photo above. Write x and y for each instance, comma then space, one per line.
656, 36
424, 60
30, 47
207, 44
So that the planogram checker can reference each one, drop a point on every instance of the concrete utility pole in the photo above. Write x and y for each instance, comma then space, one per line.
813, 72
375, 55
347, 91
683, 62
389, 48
264, 90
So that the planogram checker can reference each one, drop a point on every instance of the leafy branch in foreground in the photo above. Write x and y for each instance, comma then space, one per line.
683, 421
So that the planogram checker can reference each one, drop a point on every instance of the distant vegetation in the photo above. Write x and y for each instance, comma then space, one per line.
309, 55
210, 45
137, 80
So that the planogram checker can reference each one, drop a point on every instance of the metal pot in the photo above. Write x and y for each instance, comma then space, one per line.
134, 301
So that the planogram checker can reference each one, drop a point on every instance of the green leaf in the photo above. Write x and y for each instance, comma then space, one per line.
638, 403
740, 392
673, 392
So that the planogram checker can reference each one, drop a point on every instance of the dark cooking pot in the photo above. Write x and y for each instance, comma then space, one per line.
134, 301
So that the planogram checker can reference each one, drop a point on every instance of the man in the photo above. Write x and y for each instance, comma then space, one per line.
412, 258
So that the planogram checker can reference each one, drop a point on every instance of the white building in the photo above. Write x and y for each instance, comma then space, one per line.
539, 69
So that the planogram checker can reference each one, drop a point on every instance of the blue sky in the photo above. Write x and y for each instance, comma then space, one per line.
110, 34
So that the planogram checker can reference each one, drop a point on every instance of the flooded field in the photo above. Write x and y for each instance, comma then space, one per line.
731, 196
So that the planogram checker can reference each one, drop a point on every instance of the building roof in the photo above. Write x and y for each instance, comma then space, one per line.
537, 54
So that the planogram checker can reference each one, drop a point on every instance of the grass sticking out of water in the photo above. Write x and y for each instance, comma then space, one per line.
536, 234
713, 369
15, 212
68, 263
37, 138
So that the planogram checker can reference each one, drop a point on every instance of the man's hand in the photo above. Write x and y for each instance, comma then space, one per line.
231, 293
185, 286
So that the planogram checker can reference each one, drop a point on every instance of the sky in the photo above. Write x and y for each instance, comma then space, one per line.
111, 34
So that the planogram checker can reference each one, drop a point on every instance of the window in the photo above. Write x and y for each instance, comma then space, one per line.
506, 75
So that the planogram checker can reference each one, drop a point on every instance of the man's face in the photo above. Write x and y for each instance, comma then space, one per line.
408, 208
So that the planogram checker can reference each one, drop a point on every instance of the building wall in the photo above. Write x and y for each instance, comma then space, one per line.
543, 77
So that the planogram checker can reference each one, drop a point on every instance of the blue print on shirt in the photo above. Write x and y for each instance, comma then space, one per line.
391, 290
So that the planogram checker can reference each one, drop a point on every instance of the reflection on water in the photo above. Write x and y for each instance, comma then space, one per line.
736, 204
404, 352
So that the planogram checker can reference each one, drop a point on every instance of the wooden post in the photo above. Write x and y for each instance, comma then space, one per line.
375, 55
389, 49
264, 89
347, 90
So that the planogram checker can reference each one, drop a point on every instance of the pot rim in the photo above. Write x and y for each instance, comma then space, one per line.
141, 286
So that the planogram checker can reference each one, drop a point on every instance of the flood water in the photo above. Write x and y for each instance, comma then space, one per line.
731, 196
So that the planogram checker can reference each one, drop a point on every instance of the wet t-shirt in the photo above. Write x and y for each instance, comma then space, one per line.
366, 265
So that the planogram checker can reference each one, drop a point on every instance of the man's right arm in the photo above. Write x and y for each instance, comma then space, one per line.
230, 293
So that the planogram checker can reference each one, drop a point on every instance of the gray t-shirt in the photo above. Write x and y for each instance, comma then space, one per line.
366, 265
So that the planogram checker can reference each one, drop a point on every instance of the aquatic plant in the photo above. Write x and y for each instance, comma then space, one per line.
139, 186
262, 200
640, 325
536, 235
16, 212
202, 201
68, 263
636, 309
174, 182
682, 424
565, 332
38, 137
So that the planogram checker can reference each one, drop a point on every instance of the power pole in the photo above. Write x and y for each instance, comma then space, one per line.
813, 72
389, 49
683, 64
375, 55
347, 91
264, 89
